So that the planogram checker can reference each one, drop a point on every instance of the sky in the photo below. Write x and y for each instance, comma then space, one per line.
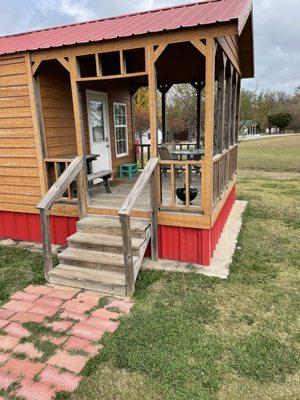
276, 30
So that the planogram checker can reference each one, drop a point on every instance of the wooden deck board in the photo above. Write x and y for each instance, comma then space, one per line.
121, 187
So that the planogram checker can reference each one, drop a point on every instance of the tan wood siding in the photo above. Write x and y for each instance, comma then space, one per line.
57, 111
19, 176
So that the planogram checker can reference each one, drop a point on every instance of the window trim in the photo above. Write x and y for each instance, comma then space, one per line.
120, 126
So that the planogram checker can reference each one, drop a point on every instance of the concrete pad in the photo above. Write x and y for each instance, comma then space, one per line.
38, 247
7, 242
26, 245
223, 254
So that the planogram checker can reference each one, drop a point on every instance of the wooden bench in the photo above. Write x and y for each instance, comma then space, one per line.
105, 175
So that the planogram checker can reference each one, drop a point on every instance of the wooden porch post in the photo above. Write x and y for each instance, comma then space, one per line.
164, 88
228, 106
200, 87
233, 108
220, 107
80, 137
38, 126
155, 190
152, 83
163, 115
207, 180
237, 114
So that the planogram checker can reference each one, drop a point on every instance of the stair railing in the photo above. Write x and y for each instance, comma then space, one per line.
74, 171
150, 172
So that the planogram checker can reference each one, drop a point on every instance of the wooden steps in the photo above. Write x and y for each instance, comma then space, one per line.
85, 278
94, 256
92, 259
103, 243
111, 226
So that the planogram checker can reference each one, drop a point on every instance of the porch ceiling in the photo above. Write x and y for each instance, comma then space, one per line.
180, 63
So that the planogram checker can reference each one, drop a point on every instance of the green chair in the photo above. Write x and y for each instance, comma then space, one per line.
129, 170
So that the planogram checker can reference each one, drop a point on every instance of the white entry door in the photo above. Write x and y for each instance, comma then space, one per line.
99, 130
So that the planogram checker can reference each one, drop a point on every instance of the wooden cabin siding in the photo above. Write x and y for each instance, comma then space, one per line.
117, 92
57, 112
19, 174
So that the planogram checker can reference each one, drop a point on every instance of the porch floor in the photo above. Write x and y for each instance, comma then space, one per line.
120, 188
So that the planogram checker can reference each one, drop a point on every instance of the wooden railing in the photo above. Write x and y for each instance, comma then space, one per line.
72, 172
150, 172
224, 169
55, 167
176, 174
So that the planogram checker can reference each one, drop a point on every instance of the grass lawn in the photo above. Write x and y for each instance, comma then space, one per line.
18, 269
271, 154
194, 337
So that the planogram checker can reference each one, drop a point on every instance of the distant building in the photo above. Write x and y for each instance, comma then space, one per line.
146, 139
249, 128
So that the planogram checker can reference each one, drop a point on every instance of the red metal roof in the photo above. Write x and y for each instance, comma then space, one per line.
164, 19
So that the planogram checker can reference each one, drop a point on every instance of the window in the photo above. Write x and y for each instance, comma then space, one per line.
96, 115
120, 121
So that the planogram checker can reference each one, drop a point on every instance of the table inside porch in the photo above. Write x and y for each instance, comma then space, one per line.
190, 154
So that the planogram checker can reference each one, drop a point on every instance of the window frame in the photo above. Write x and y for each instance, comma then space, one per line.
120, 126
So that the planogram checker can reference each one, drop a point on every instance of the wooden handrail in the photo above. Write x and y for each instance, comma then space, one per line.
219, 156
60, 186
224, 170
149, 173
59, 159
139, 186
72, 172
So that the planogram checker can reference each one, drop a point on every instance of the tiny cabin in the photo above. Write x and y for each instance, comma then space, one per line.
71, 171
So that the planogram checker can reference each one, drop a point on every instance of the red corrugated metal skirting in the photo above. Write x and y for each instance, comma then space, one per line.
26, 227
194, 246
175, 243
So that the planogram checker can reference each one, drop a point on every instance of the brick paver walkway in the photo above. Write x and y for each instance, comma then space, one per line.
47, 337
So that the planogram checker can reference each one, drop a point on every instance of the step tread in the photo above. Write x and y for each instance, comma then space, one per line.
93, 256
98, 239
88, 275
112, 221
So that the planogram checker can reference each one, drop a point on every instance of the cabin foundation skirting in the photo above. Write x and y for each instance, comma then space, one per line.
26, 227
175, 243
195, 246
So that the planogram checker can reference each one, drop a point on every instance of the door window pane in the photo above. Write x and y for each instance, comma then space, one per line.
120, 121
97, 123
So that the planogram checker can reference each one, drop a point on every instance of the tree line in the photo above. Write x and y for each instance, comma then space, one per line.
270, 109
266, 108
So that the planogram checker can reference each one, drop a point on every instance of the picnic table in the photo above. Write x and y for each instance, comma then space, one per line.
189, 154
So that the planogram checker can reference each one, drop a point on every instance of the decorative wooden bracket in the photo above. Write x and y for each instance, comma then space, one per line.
164, 87
133, 90
199, 46
35, 67
64, 63
158, 52
61, 60
198, 86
